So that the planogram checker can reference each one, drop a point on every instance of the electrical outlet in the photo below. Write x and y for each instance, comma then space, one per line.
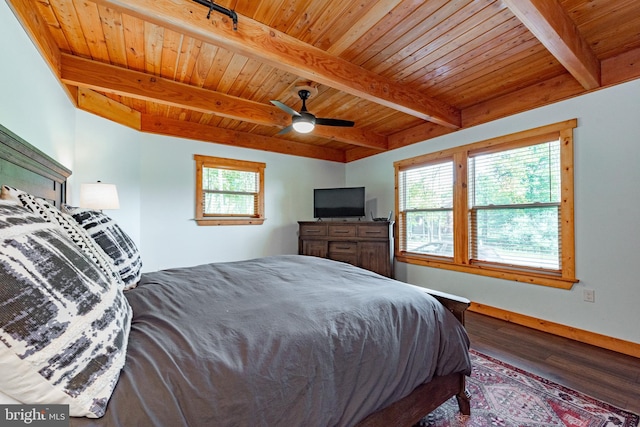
589, 295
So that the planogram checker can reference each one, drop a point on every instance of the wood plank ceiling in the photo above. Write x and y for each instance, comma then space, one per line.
403, 70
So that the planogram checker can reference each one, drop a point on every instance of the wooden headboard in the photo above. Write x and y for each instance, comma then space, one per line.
25, 167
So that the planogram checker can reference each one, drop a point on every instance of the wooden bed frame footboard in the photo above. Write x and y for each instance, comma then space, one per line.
427, 397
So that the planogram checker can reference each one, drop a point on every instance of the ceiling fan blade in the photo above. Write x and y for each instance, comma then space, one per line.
285, 130
285, 108
334, 122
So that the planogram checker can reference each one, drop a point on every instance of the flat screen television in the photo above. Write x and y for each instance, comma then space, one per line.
338, 202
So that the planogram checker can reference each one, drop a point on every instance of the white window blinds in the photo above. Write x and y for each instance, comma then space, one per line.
229, 192
514, 206
426, 209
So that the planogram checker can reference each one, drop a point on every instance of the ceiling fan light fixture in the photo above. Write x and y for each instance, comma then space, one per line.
303, 127
304, 123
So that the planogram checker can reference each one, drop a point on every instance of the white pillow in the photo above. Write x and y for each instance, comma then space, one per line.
64, 324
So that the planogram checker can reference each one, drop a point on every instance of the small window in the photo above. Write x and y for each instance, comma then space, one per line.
229, 192
501, 207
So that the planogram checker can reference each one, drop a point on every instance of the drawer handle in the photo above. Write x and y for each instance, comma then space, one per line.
343, 247
373, 232
342, 231
312, 231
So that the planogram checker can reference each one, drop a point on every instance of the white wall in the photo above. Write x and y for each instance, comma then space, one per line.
607, 208
170, 236
33, 105
110, 153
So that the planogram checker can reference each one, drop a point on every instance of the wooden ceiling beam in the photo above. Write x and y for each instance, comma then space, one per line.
135, 84
107, 78
265, 44
615, 70
354, 136
419, 133
553, 27
555, 89
103, 106
200, 132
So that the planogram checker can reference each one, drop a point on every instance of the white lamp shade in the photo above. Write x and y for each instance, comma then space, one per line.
99, 196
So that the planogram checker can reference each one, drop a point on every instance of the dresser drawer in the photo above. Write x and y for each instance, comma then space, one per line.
344, 252
313, 230
342, 230
343, 248
379, 231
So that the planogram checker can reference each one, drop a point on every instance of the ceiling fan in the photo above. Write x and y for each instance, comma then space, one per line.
303, 121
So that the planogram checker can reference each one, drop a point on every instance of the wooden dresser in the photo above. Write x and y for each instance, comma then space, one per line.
366, 244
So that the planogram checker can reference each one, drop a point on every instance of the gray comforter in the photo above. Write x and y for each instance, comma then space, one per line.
277, 341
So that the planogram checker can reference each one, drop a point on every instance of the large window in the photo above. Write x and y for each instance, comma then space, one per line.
501, 208
229, 192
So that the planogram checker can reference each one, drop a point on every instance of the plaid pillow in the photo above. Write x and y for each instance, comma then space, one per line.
115, 242
74, 231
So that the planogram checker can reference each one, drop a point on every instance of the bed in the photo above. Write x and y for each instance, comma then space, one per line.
283, 340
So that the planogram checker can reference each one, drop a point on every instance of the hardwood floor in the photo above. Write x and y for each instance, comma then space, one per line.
606, 375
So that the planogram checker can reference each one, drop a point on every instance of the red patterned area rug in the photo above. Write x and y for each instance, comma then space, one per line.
503, 395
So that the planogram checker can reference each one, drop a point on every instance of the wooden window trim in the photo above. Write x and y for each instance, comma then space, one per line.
460, 262
232, 164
